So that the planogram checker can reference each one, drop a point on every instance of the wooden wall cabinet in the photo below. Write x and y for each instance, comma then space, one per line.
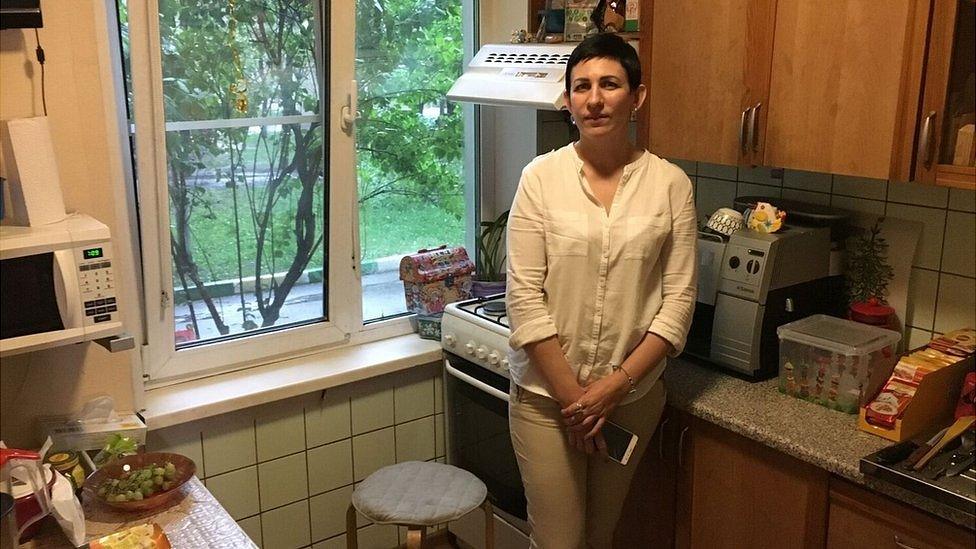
948, 102
820, 86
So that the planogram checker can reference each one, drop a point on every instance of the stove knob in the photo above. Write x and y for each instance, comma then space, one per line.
493, 358
449, 340
469, 347
481, 352
505, 364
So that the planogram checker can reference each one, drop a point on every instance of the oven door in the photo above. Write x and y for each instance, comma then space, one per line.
478, 436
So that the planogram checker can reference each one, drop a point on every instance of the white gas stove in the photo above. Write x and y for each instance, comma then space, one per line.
477, 330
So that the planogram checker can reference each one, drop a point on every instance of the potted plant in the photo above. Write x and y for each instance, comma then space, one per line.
868, 275
490, 262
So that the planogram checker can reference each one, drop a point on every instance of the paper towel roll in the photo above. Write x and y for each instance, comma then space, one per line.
35, 185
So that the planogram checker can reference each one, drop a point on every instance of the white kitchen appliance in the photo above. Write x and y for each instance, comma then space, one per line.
57, 285
526, 75
474, 335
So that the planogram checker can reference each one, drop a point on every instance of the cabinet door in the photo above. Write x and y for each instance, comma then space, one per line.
945, 147
734, 492
863, 520
846, 76
709, 64
647, 519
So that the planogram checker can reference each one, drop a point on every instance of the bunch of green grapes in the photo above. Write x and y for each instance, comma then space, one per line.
139, 483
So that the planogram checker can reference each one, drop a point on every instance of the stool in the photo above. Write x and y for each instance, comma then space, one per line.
418, 494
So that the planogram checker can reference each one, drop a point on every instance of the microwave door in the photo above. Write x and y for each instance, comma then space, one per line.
66, 289
31, 304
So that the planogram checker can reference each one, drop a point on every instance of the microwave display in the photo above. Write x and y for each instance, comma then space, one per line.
29, 305
93, 253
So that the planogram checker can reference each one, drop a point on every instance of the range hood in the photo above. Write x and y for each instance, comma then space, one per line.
525, 75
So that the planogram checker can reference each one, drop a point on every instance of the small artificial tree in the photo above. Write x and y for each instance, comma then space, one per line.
868, 272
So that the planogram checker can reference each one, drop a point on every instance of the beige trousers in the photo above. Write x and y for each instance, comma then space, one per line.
574, 499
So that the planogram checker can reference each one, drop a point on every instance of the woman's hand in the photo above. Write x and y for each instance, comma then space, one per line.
567, 397
589, 412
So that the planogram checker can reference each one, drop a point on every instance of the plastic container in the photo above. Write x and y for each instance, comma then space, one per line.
834, 362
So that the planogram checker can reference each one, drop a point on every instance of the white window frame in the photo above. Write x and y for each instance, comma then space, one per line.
162, 363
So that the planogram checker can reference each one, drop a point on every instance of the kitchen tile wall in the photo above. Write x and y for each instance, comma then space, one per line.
943, 278
285, 471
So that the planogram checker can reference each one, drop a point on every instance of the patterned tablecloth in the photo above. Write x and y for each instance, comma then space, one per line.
195, 520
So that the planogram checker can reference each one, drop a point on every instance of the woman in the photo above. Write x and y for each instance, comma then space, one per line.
601, 287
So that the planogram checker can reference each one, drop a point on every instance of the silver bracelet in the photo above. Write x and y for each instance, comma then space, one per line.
633, 386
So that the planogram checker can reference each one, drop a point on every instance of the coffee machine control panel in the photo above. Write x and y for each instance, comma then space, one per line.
742, 273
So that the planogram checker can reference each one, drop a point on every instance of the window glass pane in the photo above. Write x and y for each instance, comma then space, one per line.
409, 139
245, 163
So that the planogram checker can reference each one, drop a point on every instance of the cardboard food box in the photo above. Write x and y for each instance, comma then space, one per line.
434, 278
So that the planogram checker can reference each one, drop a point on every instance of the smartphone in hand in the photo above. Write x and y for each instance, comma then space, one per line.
620, 442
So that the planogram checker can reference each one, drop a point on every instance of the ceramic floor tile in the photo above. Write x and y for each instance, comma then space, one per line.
280, 429
860, 187
328, 420
959, 250
809, 197
252, 527
328, 513
957, 303
807, 181
414, 399
962, 199
918, 194
228, 442
717, 171
922, 288
179, 439
415, 440
237, 491
283, 481
372, 451
330, 466
286, 527
372, 409
930, 243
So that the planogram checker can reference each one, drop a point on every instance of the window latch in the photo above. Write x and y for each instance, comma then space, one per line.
348, 113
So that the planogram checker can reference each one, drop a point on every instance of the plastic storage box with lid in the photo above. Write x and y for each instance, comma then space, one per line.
835, 362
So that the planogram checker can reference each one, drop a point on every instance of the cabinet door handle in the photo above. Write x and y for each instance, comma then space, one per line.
925, 142
660, 438
753, 134
681, 448
903, 545
743, 124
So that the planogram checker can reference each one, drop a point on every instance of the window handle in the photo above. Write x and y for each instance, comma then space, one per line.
349, 111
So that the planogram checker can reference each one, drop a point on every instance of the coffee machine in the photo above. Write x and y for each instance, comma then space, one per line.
752, 283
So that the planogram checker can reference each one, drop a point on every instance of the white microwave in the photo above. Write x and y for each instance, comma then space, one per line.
57, 285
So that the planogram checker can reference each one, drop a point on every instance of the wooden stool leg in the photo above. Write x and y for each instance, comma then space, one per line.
416, 536
351, 541
489, 525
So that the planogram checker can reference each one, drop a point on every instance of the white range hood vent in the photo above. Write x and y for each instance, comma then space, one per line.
524, 75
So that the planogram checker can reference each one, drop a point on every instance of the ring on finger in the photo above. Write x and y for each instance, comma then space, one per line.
579, 407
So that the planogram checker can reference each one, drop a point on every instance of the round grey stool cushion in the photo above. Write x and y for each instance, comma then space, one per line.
418, 492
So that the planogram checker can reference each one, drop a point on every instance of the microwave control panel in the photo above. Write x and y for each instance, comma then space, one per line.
96, 282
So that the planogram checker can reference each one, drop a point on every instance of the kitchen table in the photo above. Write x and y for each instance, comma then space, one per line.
196, 520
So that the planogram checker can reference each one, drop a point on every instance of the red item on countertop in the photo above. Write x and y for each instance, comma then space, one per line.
967, 398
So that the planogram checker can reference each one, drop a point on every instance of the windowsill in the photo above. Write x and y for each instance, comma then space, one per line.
211, 396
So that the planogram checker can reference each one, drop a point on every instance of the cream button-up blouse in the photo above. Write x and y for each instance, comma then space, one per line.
599, 281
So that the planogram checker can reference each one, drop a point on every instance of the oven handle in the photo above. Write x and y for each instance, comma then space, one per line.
474, 382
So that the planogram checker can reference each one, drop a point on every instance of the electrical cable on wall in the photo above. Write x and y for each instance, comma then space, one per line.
40, 59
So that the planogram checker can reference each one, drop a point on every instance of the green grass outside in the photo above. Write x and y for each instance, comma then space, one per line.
388, 226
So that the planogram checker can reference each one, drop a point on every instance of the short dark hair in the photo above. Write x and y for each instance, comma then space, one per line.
609, 46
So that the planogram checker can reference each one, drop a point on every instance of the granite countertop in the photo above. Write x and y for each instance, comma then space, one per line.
196, 520
812, 433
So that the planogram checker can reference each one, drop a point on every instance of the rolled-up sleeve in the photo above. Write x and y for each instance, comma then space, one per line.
526, 241
678, 269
